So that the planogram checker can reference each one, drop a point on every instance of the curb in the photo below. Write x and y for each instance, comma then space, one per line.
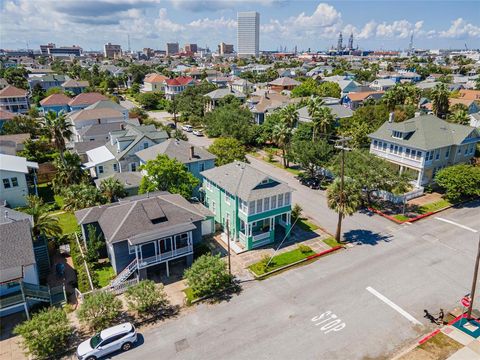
428, 337
308, 258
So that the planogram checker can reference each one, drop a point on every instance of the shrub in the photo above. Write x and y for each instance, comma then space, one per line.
296, 211
146, 297
46, 334
265, 263
99, 310
304, 249
208, 275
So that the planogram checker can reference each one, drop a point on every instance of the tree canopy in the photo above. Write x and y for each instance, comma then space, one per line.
459, 181
310, 87
227, 150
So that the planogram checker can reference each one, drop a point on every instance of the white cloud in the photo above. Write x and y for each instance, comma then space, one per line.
399, 29
216, 24
218, 5
163, 23
461, 29
368, 30
324, 16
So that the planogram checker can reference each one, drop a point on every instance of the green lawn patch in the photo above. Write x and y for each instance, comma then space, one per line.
332, 242
401, 217
307, 225
67, 222
435, 206
104, 273
281, 260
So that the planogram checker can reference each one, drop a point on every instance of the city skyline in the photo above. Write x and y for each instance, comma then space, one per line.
305, 24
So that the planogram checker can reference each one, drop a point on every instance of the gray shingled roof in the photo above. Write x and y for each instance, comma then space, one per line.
132, 217
15, 244
129, 179
221, 93
176, 149
426, 132
339, 111
106, 104
243, 180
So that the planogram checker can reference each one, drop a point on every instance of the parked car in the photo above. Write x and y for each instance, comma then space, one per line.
187, 128
120, 337
197, 132
170, 125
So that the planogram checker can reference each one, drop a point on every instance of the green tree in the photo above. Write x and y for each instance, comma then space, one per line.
477, 83
112, 189
459, 117
53, 90
69, 172
165, 174
172, 107
59, 129
208, 275
81, 196
307, 88
138, 113
43, 222
329, 89
459, 181
439, 99
146, 298
22, 125
227, 150
282, 135
231, 121
37, 93
100, 310
17, 76
265, 130
344, 200
46, 334
191, 102
40, 150
311, 156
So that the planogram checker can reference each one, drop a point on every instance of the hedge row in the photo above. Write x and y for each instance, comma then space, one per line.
82, 277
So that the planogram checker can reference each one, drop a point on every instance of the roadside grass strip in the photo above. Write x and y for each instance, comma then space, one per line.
435, 346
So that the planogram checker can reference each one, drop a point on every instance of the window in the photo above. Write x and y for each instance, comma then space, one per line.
437, 154
280, 200
209, 185
227, 198
6, 183
414, 152
100, 169
397, 135
131, 249
419, 155
472, 148
259, 206
447, 153
396, 149
430, 155
287, 199
265, 181
384, 146
266, 204
115, 167
133, 166
14, 181
459, 150
181, 241
251, 207
375, 143
274, 202
145, 145
407, 151
214, 209
391, 148
201, 166
243, 206
466, 150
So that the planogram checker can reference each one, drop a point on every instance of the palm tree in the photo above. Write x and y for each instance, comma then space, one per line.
43, 223
81, 196
439, 99
69, 172
289, 116
459, 117
112, 189
345, 202
314, 106
282, 135
59, 129
390, 99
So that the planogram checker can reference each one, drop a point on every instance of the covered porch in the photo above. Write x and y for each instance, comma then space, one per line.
253, 234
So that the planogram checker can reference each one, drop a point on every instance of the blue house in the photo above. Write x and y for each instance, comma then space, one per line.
55, 103
195, 158
75, 86
47, 81
144, 233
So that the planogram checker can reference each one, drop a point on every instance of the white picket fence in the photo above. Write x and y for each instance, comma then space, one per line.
116, 289
399, 199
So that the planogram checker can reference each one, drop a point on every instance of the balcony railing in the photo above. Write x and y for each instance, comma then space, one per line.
261, 236
165, 256
9, 300
398, 158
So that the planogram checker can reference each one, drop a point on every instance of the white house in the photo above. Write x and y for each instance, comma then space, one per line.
18, 177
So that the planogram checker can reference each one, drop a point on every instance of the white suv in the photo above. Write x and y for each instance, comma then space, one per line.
107, 341
187, 128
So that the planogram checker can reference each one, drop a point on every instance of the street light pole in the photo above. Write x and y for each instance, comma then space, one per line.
474, 283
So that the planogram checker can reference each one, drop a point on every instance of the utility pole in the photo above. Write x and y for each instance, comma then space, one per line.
474, 283
228, 247
342, 147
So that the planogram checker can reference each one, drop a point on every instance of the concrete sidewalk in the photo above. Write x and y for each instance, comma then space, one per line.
467, 334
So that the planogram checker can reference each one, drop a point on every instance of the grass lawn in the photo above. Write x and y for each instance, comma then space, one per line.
439, 347
331, 242
435, 206
401, 217
307, 225
68, 222
281, 260
104, 273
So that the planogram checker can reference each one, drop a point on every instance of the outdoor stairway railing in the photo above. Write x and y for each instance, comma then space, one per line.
125, 274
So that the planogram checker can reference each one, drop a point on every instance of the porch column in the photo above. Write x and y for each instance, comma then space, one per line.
136, 253
156, 249
420, 177
168, 269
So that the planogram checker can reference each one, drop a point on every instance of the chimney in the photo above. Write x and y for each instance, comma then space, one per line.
192, 152
390, 117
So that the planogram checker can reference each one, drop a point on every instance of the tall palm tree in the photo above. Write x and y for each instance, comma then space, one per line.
59, 129
459, 117
112, 189
69, 172
314, 106
390, 99
345, 202
439, 99
289, 115
282, 135
43, 223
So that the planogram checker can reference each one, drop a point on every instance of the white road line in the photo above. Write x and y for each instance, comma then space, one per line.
393, 305
457, 224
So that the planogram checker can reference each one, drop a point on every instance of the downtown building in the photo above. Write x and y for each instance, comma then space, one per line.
112, 51
172, 49
248, 33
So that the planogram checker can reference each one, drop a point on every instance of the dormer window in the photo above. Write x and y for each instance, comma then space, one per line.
397, 134
264, 181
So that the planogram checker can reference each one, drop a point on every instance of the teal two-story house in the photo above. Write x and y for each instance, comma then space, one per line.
256, 206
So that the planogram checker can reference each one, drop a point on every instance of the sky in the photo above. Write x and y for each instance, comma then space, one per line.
306, 24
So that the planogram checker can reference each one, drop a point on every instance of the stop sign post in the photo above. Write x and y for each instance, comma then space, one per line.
466, 301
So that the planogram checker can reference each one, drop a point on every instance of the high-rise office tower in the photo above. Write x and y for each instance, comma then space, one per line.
112, 51
172, 49
248, 33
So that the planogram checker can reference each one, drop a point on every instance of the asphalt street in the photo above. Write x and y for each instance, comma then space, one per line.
426, 265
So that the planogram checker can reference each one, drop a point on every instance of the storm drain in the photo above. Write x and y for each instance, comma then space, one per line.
181, 345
